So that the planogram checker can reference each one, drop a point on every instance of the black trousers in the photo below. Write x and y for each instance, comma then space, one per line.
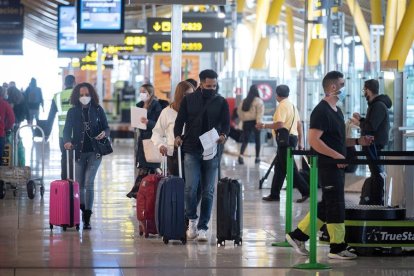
331, 209
2, 143
248, 128
377, 192
280, 172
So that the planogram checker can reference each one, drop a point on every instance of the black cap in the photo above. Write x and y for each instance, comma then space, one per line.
282, 91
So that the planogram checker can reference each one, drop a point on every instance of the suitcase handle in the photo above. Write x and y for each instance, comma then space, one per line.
180, 165
67, 165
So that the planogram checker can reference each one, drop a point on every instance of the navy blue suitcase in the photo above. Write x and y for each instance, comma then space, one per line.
169, 208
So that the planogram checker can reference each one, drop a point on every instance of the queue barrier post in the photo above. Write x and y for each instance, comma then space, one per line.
313, 264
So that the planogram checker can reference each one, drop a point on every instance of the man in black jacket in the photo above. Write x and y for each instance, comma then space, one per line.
377, 124
201, 111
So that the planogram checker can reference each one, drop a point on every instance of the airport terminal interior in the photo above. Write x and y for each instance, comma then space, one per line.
118, 46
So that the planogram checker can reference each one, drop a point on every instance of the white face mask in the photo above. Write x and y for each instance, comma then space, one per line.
143, 97
85, 100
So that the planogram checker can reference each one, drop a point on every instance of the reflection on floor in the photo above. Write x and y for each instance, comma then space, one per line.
113, 246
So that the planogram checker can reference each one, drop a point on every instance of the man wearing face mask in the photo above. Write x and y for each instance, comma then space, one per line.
376, 124
201, 111
327, 139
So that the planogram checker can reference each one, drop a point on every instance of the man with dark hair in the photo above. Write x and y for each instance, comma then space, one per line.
376, 124
286, 116
61, 105
201, 111
327, 139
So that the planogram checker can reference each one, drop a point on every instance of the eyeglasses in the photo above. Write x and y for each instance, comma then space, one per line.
363, 89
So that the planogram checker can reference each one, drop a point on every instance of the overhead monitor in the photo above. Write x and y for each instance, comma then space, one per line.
67, 30
100, 16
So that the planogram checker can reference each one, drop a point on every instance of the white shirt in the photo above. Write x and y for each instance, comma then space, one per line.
163, 132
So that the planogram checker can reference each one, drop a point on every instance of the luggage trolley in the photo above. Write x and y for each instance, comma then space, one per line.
15, 175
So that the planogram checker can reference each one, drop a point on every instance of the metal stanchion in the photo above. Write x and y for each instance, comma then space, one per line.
289, 196
313, 264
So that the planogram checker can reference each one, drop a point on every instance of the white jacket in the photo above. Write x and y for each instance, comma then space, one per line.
163, 132
254, 113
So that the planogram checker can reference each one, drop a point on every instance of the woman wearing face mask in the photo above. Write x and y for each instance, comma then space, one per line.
151, 103
163, 132
85, 124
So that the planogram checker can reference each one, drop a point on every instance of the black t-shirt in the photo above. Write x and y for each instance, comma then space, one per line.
332, 124
87, 143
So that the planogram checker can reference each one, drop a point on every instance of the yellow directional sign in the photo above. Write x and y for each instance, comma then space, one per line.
137, 40
156, 26
162, 44
189, 24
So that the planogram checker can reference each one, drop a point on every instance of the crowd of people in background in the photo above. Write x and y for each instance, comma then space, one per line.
197, 109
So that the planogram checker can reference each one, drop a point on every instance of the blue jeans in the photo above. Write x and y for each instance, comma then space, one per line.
86, 168
199, 172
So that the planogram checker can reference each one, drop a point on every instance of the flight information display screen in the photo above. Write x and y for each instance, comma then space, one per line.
101, 16
67, 30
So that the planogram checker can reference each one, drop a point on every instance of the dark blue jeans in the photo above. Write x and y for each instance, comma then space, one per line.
199, 172
86, 168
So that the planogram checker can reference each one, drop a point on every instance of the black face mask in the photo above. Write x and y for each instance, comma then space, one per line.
207, 93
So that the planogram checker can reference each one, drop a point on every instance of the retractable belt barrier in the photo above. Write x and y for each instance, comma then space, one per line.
314, 163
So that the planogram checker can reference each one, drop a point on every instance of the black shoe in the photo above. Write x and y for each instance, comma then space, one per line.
303, 199
241, 161
86, 215
257, 160
270, 198
133, 192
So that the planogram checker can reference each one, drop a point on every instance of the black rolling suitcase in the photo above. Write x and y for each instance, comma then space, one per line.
229, 211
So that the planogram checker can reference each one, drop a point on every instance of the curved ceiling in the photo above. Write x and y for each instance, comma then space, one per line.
40, 21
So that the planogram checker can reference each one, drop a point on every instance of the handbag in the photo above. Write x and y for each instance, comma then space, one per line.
103, 146
282, 134
152, 154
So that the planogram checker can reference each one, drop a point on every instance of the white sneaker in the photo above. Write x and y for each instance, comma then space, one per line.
192, 229
343, 255
202, 235
299, 246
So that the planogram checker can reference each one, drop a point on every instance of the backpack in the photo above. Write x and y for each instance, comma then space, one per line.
33, 96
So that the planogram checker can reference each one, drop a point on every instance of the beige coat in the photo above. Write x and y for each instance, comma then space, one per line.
255, 112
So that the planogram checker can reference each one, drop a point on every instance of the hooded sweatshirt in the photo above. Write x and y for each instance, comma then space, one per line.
377, 122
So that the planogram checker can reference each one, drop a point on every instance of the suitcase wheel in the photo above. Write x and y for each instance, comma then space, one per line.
238, 242
77, 227
64, 228
165, 240
184, 241
141, 233
221, 243
2, 189
51, 226
31, 189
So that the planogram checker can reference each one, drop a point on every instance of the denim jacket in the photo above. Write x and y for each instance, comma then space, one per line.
74, 131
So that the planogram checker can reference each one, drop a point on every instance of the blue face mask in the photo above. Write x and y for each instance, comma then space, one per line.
341, 95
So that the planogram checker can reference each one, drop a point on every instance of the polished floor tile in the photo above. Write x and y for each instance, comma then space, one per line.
114, 247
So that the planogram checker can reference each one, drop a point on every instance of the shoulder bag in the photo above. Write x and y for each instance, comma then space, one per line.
103, 146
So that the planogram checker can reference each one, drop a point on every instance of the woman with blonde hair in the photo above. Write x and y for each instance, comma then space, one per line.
163, 132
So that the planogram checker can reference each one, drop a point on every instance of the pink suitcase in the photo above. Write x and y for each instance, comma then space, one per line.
64, 205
